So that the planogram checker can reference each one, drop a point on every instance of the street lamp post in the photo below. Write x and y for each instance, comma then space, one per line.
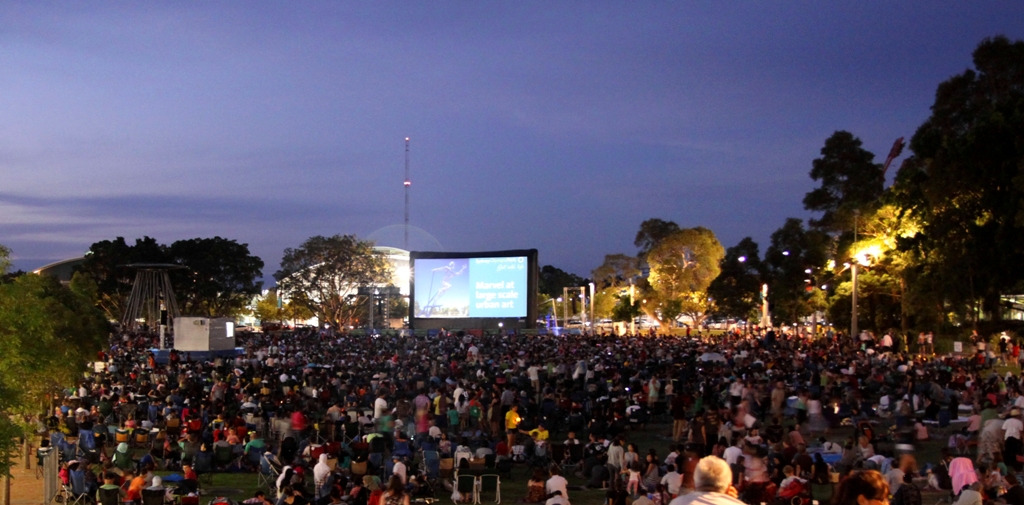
853, 275
554, 309
632, 320
593, 322
853, 318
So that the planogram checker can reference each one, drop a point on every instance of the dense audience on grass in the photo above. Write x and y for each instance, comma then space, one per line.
375, 420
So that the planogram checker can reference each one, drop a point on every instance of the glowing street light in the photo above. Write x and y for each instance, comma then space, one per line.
742, 259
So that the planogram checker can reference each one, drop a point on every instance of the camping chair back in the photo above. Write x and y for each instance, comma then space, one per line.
432, 464
152, 497
140, 437
358, 468
558, 453
202, 463
377, 444
77, 480
87, 440
467, 487
489, 483
376, 459
222, 455
110, 496
122, 460
822, 493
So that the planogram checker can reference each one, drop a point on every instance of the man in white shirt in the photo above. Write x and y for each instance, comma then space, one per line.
399, 468
732, 452
380, 406
886, 342
1013, 426
534, 373
672, 480
557, 483
672, 455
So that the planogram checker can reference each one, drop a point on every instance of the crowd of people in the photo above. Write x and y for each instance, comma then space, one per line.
377, 420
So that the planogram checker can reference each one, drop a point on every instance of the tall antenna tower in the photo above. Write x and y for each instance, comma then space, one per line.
407, 184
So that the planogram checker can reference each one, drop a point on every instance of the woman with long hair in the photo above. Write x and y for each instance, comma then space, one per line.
535, 492
865, 487
651, 473
395, 494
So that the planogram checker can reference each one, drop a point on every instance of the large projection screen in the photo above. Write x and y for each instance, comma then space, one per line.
473, 290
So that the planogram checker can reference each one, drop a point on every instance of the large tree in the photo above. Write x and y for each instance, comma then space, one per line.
965, 182
736, 291
850, 182
324, 274
220, 277
683, 264
47, 333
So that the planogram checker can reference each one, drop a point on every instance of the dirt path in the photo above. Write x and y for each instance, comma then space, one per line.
26, 489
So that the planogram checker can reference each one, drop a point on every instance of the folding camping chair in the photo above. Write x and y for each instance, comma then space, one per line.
468, 487
359, 468
75, 491
489, 483
269, 472
110, 496
223, 457
153, 497
432, 464
202, 463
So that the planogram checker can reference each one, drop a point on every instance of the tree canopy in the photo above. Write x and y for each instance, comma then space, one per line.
735, 290
683, 264
219, 277
850, 180
47, 333
324, 273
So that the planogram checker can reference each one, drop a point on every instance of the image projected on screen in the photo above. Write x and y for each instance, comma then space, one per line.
471, 287
442, 288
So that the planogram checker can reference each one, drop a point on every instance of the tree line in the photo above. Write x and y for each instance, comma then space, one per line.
938, 248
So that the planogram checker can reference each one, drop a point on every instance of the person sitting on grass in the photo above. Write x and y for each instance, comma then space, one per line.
259, 498
535, 486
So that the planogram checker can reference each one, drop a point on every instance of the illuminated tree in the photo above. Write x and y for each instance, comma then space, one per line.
683, 264
965, 184
324, 273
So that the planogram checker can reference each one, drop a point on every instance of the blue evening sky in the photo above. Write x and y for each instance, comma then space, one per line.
558, 126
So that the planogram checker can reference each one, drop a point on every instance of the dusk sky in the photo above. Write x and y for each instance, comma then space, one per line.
550, 125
